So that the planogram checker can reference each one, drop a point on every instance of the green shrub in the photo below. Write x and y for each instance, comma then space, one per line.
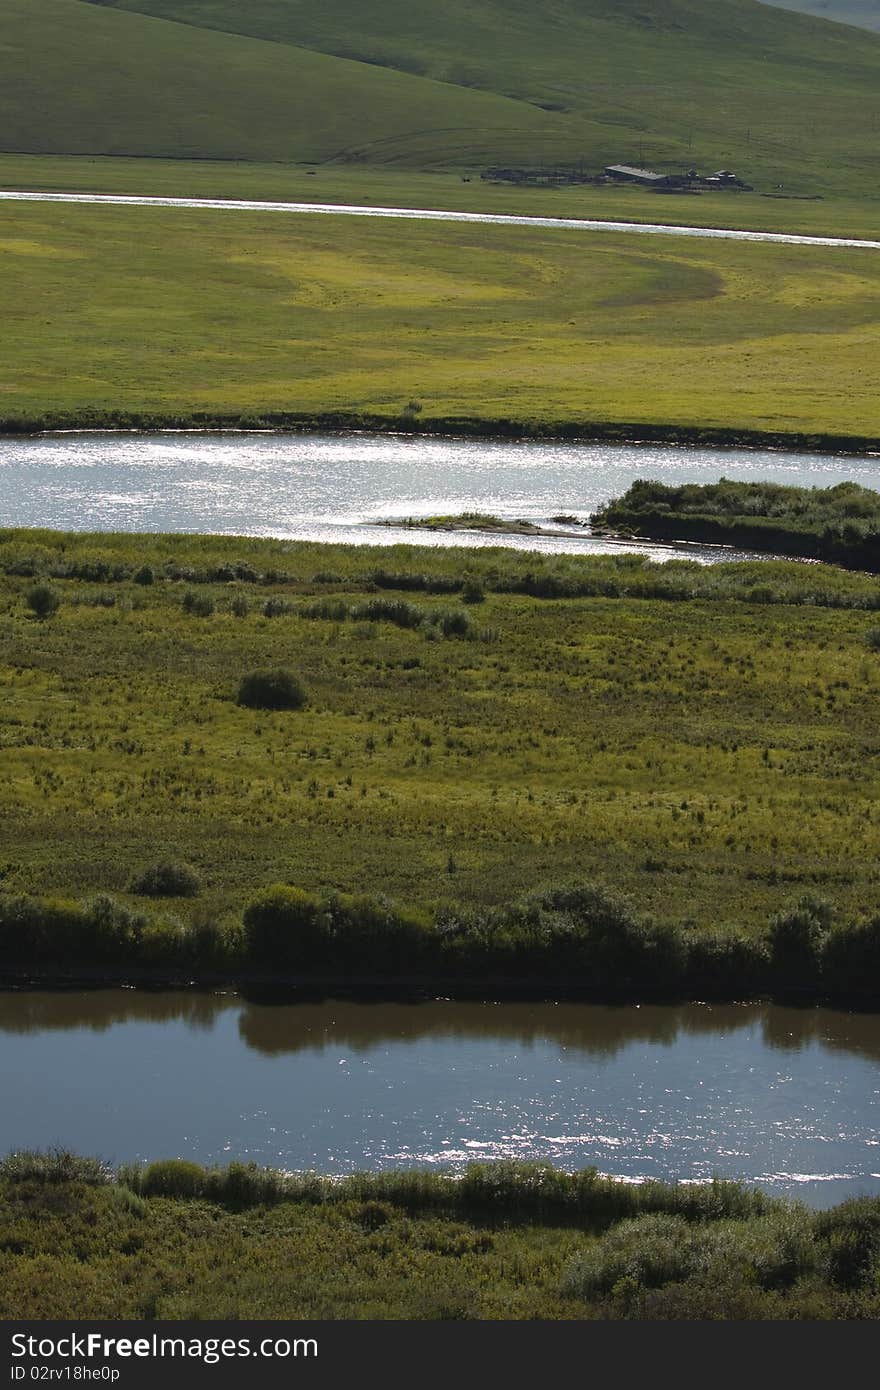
851, 956
374, 935
40, 929
384, 610
42, 601
275, 608
278, 689
472, 591
144, 575
199, 605
286, 926
795, 939
167, 880
173, 1177
851, 1237
329, 609
773, 1250
243, 1185
647, 1252
111, 930
54, 1166
724, 960
453, 623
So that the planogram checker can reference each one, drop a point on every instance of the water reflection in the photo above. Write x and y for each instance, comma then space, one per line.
278, 1029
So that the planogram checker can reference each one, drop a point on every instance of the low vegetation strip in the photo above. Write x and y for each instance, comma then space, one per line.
174, 1240
581, 940
838, 524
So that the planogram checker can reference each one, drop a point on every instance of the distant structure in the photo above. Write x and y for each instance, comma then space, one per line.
551, 177
628, 173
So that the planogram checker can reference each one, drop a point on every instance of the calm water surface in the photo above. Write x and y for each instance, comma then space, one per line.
784, 1098
331, 487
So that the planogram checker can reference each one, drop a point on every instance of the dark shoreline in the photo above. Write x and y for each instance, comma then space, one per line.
288, 988
455, 427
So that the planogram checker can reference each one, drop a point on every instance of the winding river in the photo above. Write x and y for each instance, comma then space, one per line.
326, 487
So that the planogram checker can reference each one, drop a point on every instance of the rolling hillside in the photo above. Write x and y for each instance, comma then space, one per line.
782, 97
77, 79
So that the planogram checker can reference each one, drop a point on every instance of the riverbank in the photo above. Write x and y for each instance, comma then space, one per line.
173, 1240
444, 427
840, 525
574, 942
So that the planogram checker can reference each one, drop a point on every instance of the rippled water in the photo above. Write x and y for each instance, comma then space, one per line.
788, 1099
332, 487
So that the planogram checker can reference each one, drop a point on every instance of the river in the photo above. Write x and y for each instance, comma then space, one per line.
577, 224
326, 487
786, 1099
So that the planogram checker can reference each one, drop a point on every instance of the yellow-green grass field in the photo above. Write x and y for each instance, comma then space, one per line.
714, 757
178, 311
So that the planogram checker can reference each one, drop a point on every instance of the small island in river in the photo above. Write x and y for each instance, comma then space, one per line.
480, 521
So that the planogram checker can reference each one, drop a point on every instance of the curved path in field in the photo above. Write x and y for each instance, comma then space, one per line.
435, 215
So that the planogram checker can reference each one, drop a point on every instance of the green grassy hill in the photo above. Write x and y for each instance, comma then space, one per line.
781, 97
76, 78
864, 13
778, 94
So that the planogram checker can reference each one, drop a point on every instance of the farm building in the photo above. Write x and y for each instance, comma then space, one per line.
628, 173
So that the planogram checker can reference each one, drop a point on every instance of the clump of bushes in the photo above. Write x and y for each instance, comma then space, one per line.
796, 939
167, 879
451, 622
197, 605
275, 608
328, 609
53, 931
290, 927
42, 601
273, 690
773, 1251
472, 591
54, 1166
57, 930
238, 1186
383, 610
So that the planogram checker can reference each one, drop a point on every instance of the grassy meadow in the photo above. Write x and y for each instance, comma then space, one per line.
176, 311
506, 1241
701, 739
